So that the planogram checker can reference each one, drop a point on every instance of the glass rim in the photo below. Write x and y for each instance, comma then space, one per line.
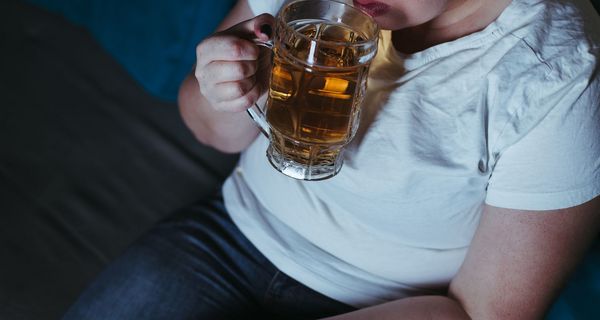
364, 43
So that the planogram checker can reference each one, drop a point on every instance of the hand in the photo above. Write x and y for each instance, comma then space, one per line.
227, 67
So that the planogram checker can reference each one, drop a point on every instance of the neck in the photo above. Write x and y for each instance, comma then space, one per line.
461, 18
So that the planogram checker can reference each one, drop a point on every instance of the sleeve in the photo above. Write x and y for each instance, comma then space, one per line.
265, 6
556, 164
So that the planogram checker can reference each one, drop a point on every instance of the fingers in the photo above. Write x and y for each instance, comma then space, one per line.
225, 48
224, 71
263, 26
228, 91
232, 96
236, 43
241, 103
227, 65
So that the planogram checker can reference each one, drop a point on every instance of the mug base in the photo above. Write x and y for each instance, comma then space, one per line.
312, 171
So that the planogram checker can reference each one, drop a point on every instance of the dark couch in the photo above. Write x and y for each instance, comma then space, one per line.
89, 160
93, 151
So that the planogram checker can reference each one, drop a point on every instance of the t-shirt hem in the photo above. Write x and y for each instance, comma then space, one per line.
286, 264
296, 271
542, 201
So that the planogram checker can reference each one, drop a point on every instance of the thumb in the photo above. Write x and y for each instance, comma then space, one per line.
260, 27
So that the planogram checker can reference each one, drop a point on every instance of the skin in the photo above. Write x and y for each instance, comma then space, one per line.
517, 261
418, 25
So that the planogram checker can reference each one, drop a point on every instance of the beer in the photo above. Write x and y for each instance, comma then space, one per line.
316, 86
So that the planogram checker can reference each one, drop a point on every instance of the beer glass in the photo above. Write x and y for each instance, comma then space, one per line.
321, 51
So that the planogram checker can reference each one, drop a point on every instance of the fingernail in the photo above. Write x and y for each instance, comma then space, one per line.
267, 30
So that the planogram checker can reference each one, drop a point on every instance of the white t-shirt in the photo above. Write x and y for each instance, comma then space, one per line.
508, 116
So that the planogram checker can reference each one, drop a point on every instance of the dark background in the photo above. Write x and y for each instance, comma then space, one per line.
89, 159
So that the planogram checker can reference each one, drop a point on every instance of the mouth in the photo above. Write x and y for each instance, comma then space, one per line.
372, 8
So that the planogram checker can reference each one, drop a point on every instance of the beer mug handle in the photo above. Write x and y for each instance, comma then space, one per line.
257, 113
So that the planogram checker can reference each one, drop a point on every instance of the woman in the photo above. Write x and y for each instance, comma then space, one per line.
482, 197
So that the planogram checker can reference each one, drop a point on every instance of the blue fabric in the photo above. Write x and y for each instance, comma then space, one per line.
198, 265
154, 40
580, 297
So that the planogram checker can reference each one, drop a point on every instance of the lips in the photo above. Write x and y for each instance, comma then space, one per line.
372, 8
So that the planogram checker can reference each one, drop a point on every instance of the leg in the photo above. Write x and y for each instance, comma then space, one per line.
195, 265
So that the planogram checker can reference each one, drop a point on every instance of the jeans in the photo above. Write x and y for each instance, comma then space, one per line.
198, 265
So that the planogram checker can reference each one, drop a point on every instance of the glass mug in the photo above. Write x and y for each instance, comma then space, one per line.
321, 52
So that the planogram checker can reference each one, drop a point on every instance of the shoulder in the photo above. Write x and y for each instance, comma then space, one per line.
543, 118
559, 37
552, 40
552, 52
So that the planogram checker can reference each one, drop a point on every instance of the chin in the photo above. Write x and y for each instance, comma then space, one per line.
390, 23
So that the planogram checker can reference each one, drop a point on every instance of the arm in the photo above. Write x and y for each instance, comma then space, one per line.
515, 267
212, 101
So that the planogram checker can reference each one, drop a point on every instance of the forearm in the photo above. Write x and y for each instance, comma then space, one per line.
418, 308
226, 131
